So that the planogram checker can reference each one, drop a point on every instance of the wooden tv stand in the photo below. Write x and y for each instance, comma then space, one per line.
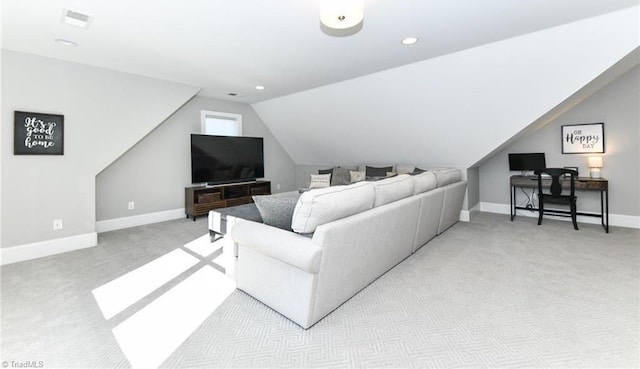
198, 200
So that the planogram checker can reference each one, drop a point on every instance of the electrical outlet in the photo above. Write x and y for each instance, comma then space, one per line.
57, 224
278, 186
132, 205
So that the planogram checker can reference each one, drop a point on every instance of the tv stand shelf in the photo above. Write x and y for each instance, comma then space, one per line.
199, 200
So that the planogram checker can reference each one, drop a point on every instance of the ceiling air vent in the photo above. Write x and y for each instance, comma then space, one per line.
76, 19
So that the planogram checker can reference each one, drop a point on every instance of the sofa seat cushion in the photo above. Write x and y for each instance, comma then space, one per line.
423, 182
324, 205
392, 189
447, 176
277, 210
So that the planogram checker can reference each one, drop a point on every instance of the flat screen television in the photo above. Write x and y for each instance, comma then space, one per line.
527, 162
226, 159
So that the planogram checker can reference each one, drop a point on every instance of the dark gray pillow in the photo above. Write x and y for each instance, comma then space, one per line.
377, 171
417, 170
325, 171
277, 210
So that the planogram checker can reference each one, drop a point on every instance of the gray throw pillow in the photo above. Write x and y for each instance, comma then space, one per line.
277, 210
341, 176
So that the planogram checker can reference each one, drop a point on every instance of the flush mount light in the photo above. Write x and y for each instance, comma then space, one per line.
232, 94
76, 19
409, 40
341, 14
259, 87
66, 43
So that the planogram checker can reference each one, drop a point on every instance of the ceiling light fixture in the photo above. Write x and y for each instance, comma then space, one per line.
341, 14
66, 43
76, 19
409, 40
259, 87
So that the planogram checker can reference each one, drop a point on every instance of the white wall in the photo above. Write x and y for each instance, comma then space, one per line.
155, 171
105, 112
452, 110
617, 105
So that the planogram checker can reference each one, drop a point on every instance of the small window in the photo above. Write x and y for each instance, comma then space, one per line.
221, 124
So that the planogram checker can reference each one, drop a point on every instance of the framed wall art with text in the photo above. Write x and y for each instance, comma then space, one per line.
38, 134
583, 138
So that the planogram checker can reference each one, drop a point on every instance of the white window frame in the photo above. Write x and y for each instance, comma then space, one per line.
204, 114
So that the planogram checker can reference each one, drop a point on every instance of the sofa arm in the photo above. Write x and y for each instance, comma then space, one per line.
288, 247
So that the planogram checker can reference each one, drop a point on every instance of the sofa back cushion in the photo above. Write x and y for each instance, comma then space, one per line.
423, 182
392, 189
324, 205
447, 176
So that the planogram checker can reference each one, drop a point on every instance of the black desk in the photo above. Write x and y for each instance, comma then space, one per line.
582, 184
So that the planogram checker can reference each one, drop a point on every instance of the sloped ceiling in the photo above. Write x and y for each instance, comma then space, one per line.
232, 46
451, 110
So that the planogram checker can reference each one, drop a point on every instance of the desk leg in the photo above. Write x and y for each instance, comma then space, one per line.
604, 207
512, 197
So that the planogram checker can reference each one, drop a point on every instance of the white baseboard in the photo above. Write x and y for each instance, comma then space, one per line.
616, 220
466, 215
138, 220
14, 254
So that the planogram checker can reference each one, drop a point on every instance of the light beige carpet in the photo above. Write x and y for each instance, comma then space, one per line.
489, 293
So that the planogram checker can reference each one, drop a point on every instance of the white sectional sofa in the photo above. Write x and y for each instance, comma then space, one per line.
344, 237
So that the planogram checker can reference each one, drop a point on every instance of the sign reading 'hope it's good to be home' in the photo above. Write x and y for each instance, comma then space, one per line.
38, 134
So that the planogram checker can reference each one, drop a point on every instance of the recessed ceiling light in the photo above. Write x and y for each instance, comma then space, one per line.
409, 40
66, 43
259, 87
76, 19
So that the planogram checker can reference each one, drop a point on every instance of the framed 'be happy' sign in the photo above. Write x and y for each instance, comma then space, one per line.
38, 134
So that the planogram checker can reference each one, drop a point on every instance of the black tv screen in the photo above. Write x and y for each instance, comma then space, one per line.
528, 161
226, 159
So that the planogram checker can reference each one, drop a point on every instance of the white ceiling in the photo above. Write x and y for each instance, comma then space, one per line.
456, 109
232, 46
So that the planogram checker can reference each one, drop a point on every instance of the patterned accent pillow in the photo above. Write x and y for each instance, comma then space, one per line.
356, 176
320, 180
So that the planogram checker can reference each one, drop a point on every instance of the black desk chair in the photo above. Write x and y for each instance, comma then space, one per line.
554, 193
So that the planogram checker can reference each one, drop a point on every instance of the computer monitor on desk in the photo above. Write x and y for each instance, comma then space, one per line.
527, 162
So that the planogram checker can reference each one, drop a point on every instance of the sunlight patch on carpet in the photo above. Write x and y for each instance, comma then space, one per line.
152, 334
122, 292
203, 246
